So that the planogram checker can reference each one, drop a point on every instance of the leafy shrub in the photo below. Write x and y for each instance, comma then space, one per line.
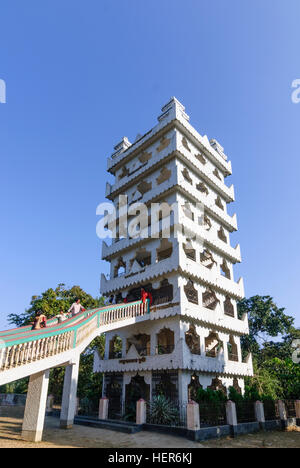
162, 411
210, 395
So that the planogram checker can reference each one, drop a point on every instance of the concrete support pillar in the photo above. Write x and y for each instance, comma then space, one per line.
69, 398
231, 413
297, 409
282, 410
35, 409
259, 412
141, 413
103, 408
193, 416
183, 381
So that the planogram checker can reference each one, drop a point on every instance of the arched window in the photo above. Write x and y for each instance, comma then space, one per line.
201, 158
115, 348
189, 251
207, 259
164, 175
164, 251
193, 387
213, 345
185, 144
192, 340
165, 341
120, 268
219, 203
187, 176
217, 384
222, 235
202, 188
191, 292
209, 299
232, 350
228, 307
225, 271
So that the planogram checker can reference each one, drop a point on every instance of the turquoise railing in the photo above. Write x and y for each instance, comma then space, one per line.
23, 345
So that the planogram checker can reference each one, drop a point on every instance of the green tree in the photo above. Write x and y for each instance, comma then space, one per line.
266, 321
53, 301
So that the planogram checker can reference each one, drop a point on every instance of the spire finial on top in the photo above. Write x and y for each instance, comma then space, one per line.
175, 107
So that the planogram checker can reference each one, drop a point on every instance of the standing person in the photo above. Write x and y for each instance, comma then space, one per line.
40, 321
76, 307
146, 297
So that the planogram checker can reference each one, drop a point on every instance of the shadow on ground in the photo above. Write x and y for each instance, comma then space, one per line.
88, 437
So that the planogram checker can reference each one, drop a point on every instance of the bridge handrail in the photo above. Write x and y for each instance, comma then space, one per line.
79, 319
40, 344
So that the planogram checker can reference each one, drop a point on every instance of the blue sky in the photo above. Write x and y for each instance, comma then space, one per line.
81, 75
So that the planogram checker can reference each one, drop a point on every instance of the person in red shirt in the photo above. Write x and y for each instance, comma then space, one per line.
146, 295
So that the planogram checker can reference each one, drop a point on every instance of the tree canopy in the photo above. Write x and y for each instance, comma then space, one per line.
52, 301
271, 333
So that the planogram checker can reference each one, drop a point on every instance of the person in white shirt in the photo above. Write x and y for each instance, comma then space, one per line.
76, 307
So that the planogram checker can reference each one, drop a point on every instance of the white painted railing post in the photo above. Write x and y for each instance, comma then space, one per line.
297, 409
141, 412
282, 410
259, 412
231, 413
103, 408
193, 416
35, 409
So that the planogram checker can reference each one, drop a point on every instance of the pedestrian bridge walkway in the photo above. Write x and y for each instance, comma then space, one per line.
25, 352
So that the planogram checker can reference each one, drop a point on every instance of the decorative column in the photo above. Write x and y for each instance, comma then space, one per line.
141, 414
68, 406
259, 413
282, 410
282, 413
297, 409
103, 408
193, 416
35, 409
231, 416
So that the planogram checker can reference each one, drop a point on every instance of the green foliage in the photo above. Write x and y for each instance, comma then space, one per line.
263, 383
19, 387
275, 374
288, 375
210, 395
265, 320
52, 302
162, 411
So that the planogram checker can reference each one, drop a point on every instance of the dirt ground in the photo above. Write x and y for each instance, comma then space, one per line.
87, 437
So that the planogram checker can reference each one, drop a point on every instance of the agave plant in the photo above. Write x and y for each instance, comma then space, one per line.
162, 411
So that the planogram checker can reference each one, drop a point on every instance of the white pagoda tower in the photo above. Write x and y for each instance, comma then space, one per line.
192, 337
